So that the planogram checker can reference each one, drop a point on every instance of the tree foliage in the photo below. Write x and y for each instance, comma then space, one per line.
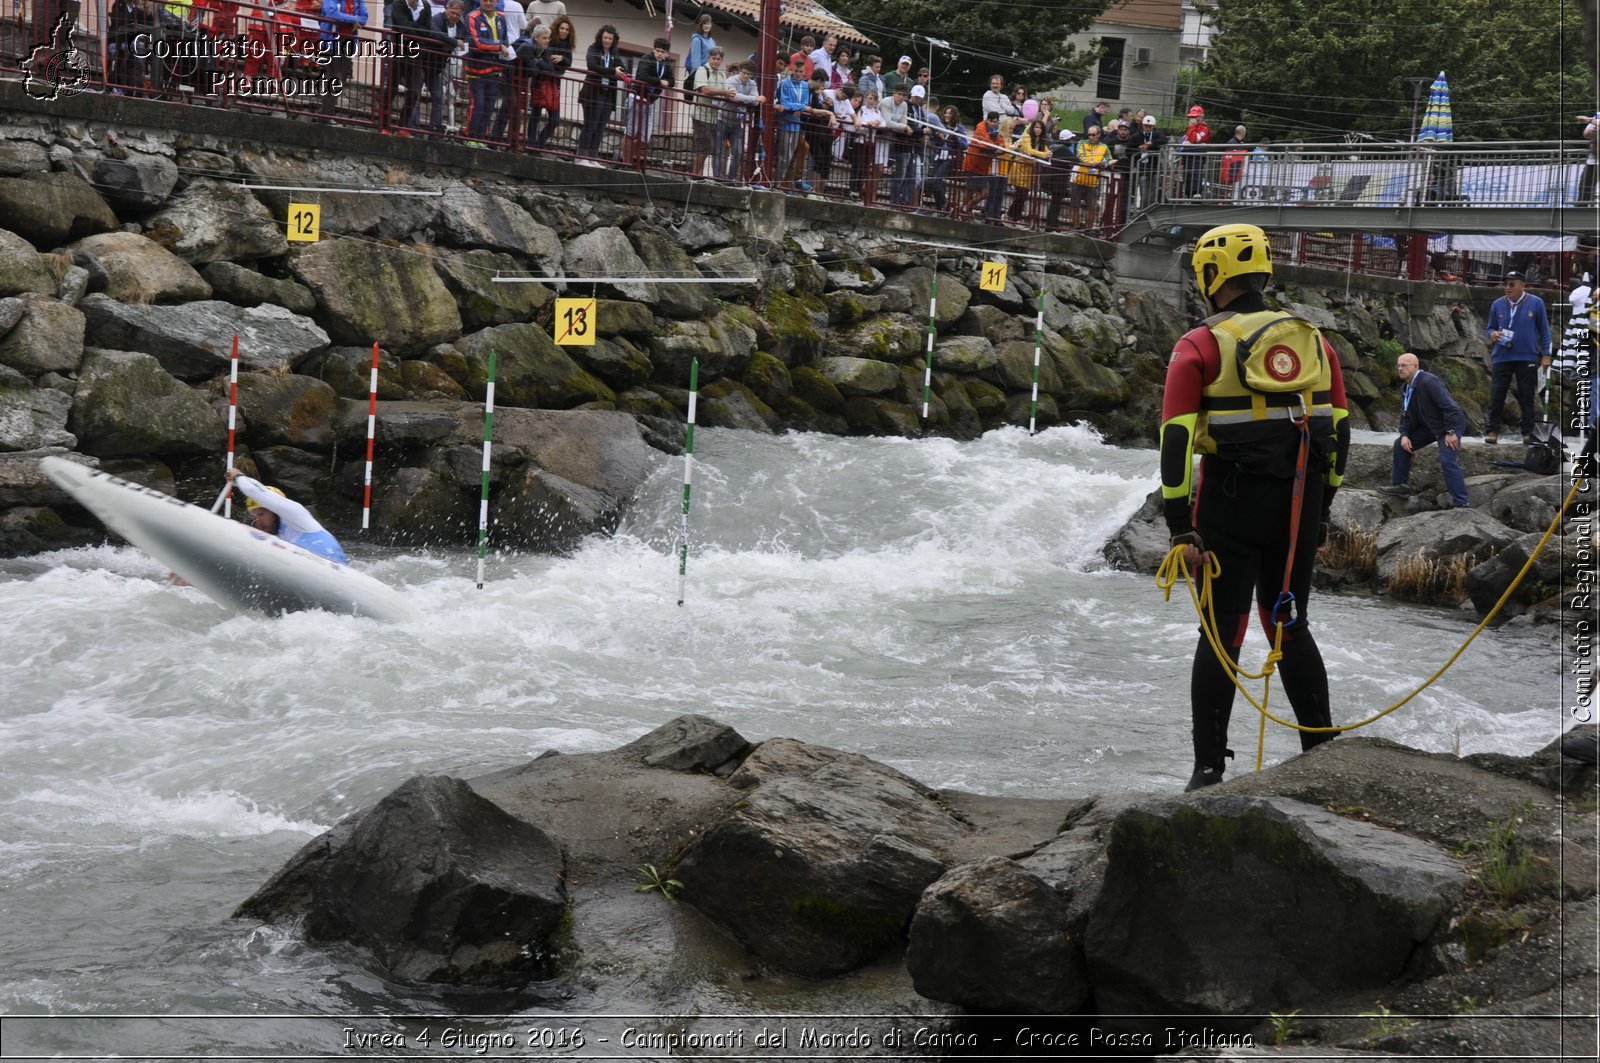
1316, 70
1025, 41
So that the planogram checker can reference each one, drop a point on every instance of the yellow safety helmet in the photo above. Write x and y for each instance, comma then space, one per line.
1235, 250
252, 504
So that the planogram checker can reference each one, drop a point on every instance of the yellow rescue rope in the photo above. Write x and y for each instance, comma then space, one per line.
1173, 566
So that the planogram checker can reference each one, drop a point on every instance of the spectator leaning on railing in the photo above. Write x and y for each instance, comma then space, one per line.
603, 67
450, 28
740, 117
709, 84
412, 21
341, 19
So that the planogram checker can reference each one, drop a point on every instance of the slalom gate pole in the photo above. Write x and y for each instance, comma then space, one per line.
372, 425
933, 310
233, 421
688, 477
483, 501
1038, 342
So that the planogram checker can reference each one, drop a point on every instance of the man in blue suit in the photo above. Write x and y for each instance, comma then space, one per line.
1428, 414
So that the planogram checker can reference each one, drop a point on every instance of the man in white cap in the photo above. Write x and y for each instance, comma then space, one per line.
1146, 152
1058, 176
900, 75
910, 163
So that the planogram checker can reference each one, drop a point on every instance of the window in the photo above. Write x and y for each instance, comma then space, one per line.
1109, 84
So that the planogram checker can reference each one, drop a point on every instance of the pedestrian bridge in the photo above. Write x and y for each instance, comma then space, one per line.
1522, 189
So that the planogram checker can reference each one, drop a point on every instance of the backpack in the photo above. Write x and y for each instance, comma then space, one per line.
1285, 354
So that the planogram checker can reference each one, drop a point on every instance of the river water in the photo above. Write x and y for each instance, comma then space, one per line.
940, 606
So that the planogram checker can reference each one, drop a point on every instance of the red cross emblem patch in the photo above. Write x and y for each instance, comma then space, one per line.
1283, 364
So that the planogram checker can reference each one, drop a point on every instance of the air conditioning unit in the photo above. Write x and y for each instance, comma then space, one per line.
1141, 57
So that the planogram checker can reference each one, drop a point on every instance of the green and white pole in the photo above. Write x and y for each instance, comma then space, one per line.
933, 311
688, 478
483, 499
1038, 344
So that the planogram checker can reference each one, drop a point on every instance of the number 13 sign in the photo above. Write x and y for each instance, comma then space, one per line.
575, 322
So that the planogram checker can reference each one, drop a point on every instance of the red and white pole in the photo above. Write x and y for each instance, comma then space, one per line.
372, 427
233, 417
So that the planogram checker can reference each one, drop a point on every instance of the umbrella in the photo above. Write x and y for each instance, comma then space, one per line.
1436, 121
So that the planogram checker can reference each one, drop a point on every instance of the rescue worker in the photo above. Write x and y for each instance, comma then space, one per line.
1258, 394
274, 513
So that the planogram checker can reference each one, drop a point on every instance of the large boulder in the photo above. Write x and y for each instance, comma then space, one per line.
841, 846
858, 376
964, 354
607, 252
1316, 905
374, 293
32, 418
47, 339
537, 510
421, 507
953, 296
470, 277
886, 337
138, 270
137, 181
722, 347
288, 409
194, 341
663, 257
213, 221
244, 286
127, 405
1487, 581
48, 209
992, 936
1439, 535
598, 449
21, 267
1085, 383
470, 219
18, 157
380, 217
530, 370
348, 371
437, 882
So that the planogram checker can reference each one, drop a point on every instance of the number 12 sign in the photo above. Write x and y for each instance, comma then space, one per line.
305, 222
575, 322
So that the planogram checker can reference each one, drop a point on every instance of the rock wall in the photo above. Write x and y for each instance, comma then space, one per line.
132, 256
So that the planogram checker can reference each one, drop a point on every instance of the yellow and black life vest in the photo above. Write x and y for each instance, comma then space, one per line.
1273, 367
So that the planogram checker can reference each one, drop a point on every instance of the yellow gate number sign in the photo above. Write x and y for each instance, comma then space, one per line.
305, 222
575, 322
994, 277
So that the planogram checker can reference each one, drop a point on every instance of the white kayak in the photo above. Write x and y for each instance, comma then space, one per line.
232, 563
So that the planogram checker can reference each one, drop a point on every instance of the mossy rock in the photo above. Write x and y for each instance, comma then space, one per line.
729, 404
286, 408
644, 402
1082, 383
348, 371
1019, 409
615, 360
816, 390
768, 378
531, 371
425, 380
870, 415
622, 317
795, 324
800, 416
988, 400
